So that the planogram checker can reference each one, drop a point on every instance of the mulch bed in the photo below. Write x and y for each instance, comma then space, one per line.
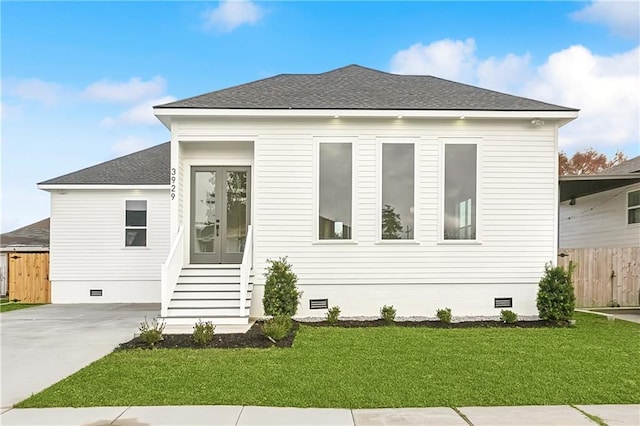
255, 339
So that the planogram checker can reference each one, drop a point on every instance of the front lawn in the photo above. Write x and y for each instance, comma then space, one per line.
6, 307
594, 363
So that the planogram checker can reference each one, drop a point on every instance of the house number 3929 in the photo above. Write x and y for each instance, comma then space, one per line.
173, 183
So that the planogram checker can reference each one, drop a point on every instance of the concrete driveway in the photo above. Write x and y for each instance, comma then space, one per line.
44, 344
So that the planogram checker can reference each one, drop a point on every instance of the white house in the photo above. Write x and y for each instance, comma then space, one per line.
601, 210
381, 189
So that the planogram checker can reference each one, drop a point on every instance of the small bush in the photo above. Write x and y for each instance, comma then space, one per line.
508, 316
277, 327
281, 296
556, 299
203, 332
151, 332
333, 314
388, 313
444, 315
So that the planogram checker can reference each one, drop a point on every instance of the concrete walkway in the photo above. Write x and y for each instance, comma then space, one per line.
44, 344
557, 415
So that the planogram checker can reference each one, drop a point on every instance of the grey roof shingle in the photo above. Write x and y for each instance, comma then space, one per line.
629, 166
147, 167
33, 235
357, 87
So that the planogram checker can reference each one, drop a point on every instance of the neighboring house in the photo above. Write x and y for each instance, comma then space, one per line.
381, 189
24, 263
601, 210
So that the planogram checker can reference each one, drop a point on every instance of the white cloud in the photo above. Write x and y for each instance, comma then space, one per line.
622, 17
130, 91
141, 113
230, 14
34, 89
450, 59
605, 88
130, 144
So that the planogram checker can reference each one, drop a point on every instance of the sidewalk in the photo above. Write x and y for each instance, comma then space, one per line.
557, 415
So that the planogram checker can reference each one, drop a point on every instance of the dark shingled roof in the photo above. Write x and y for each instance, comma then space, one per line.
356, 87
34, 235
147, 167
629, 166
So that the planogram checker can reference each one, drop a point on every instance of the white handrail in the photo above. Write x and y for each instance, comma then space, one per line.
245, 269
171, 271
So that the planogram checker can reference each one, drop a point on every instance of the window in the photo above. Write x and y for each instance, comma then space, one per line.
135, 223
397, 180
460, 186
633, 207
335, 191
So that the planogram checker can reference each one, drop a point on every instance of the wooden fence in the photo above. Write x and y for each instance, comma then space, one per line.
29, 277
604, 276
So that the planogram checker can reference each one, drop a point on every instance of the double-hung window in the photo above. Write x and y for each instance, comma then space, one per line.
135, 232
460, 191
633, 207
397, 182
335, 192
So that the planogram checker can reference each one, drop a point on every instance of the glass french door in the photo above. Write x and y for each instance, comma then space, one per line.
219, 213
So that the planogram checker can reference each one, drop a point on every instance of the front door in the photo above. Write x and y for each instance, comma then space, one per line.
219, 213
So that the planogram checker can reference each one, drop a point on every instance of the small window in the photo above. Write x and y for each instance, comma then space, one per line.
460, 186
335, 192
397, 221
136, 223
633, 207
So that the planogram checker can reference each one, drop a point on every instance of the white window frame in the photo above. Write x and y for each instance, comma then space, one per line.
626, 210
125, 227
443, 142
316, 188
416, 171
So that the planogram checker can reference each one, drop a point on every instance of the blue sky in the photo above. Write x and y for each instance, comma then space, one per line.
78, 79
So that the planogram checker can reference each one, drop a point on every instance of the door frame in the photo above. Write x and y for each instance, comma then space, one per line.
220, 256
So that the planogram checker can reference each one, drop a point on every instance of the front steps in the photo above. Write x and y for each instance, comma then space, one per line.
208, 293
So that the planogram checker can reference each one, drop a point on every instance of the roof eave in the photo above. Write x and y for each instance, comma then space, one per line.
70, 186
165, 114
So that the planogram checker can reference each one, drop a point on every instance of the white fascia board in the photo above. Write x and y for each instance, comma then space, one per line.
57, 187
24, 249
164, 114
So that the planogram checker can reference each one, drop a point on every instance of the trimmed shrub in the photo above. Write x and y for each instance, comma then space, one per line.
508, 316
277, 327
151, 332
556, 299
444, 315
388, 313
333, 314
281, 296
203, 332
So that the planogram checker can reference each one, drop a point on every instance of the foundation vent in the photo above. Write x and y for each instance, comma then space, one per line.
318, 303
503, 302
95, 292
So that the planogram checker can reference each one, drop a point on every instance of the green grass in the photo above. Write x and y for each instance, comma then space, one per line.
7, 307
594, 363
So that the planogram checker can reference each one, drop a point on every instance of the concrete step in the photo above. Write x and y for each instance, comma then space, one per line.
207, 287
220, 328
208, 303
180, 294
217, 320
202, 312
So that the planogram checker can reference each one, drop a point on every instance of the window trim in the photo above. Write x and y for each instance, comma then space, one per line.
443, 142
416, 170
125, 227
316, 188
627, 208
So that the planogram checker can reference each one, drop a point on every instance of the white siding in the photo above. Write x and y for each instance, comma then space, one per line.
599, 220
517, 191
88, 251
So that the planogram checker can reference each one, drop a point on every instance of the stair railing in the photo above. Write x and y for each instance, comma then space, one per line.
245, 269
171, 271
